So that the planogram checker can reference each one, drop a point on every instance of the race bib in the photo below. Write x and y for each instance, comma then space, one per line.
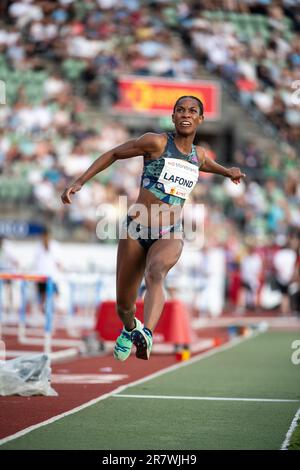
178, 177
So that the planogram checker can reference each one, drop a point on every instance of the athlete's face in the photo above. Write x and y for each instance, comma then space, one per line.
186, 116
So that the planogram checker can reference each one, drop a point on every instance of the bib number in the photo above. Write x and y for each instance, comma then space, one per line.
178, 177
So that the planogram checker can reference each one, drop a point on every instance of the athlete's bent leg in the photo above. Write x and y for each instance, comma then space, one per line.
130, 270
162, 256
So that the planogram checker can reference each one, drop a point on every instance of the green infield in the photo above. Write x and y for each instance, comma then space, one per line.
244, 396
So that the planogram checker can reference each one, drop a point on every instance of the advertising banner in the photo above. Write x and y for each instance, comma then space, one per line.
156, 96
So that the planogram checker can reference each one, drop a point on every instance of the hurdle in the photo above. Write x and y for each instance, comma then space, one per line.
47, 341
84, 288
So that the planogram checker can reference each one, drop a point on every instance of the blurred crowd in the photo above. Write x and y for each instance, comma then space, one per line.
50, 49
96, 40
255, 46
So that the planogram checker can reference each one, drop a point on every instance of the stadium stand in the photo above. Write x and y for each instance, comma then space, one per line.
61, 59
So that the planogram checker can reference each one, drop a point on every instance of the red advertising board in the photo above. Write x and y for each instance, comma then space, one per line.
156, 96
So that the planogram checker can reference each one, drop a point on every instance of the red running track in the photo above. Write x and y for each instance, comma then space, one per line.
18, 413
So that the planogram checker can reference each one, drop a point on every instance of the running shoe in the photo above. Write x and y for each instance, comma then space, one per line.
124, 343
142, 339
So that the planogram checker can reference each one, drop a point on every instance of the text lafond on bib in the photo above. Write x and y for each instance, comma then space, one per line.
178, 177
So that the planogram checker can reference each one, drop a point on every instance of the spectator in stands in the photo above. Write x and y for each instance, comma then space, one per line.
47, 262
8, 259
51, 83
9, 263
251, 267
285, 260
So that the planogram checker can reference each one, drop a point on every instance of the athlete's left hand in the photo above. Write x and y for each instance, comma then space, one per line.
235, 175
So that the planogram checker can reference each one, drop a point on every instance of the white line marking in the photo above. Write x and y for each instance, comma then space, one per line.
120, 389
172, 397
13, 331
19, 352
63, 354
54, 342
87, 378
54, 356
286, 442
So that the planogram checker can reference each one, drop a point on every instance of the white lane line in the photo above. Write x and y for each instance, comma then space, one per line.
172, 397
286, 442
19, 352
86, 378
121, 388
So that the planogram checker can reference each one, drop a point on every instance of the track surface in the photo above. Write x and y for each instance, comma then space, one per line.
243, 395
18, 412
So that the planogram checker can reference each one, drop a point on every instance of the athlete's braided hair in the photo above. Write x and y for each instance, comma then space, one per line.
200, 104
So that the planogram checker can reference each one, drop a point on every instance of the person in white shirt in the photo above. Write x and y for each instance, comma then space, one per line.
251, 271
47, 262
284, 264
8, 261
8, 264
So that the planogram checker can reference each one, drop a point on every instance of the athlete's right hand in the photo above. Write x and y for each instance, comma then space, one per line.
72, 189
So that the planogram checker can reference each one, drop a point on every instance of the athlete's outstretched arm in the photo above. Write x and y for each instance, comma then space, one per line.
145, 144
210, 166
